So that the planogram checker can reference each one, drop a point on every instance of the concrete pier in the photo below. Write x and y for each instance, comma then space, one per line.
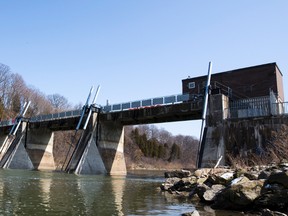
40, 148
111, 147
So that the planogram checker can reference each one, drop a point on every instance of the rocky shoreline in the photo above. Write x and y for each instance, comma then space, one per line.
261, 189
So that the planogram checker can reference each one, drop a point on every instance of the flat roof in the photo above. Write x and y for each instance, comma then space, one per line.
240, 69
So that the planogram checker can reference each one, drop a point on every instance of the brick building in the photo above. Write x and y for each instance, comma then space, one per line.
249, 82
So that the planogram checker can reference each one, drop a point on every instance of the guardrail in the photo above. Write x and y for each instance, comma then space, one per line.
158, 101
256, 108
280, 108
7, 122
67, 114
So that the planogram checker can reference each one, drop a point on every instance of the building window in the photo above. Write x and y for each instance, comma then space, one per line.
191, 85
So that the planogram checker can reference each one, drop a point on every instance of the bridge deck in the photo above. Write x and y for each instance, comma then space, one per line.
156, 114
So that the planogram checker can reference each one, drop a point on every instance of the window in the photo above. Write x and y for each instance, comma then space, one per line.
191, 85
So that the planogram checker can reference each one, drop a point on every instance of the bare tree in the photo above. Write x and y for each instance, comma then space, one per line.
17, 92
58, 102
4, 71
39, 104
4, 76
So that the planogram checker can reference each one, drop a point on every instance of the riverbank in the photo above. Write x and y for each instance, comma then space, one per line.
258, 190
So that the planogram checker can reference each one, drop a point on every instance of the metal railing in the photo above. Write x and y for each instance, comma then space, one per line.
67, 114
254, 107
158, 101
280, 108
8, 122
251, 107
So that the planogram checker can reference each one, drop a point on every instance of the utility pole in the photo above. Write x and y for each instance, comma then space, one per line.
206, 96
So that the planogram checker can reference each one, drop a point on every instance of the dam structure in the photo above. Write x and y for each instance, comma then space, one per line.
242, 113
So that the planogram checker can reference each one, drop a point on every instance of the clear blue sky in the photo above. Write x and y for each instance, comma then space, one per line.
137, 49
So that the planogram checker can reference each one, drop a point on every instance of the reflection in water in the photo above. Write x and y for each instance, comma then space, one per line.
118, 184
45, 185
46, 193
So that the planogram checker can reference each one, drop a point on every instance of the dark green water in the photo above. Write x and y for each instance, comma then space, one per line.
48, 193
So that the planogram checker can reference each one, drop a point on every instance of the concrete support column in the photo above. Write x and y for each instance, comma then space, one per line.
214, 145
40, 148
111, 147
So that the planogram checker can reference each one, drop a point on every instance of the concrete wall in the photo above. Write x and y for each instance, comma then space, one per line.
111, 147
40, 148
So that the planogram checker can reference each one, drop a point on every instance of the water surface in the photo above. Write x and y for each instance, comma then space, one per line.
49, 193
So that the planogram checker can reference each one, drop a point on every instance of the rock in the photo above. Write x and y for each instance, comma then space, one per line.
273, 196
178, 174
259, 187
252, 175
177, 184
223, 179
200, 190
201, 180
207, 194
169, 183
190, 180
210, 194
264, 174
267, 212
194, 213
202, 172
239, 180
239, 195
239, 173
279, 178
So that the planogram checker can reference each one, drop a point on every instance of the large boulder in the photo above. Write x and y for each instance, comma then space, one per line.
169, 182
208, 194
278, 178
273, 196
223, 178
179, 184
239, 195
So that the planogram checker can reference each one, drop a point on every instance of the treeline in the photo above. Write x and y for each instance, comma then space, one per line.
14, 93
159, 146
154, 148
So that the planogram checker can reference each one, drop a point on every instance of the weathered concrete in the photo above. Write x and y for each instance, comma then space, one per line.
91, 162
111, 147
86, 158
214, 146
19, 159
251, 134
40, 148
16, 157
235, 136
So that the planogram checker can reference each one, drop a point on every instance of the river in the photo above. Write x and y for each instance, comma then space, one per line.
49, 193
